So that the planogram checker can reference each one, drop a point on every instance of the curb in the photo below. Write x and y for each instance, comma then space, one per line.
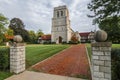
89, 61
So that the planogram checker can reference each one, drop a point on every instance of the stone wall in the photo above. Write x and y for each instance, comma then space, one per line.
17, 58
101, 61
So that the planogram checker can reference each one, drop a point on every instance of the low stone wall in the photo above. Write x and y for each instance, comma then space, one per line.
17, 58
101, 61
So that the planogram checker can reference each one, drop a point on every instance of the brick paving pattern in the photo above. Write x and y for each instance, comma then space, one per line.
70, 62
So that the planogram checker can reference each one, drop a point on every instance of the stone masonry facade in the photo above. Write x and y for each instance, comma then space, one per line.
17, 58
101, 61
61, 25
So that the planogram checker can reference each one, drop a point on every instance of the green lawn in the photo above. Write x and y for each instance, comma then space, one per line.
4, 75
115, 46
35, 54
88, 46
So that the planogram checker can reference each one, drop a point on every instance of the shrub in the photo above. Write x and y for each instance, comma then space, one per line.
74, 39
47, 42
72, 42
53, 42
115, 55
78, 41
64, 42
4, 59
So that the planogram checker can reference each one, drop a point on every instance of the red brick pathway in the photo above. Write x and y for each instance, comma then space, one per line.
70, 62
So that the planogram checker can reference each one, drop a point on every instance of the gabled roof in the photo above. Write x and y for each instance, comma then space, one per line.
46, 37
84, 34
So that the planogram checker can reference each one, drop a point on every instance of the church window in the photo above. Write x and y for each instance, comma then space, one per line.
57, 13
61, 13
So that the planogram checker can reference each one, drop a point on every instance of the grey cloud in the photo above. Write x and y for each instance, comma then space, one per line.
37, 14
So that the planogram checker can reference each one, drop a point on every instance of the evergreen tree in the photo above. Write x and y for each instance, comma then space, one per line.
18, 27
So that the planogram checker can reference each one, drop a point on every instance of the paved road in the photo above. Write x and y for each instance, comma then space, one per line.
70, 62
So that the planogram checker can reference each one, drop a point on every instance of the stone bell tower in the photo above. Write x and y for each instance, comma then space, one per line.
61, 31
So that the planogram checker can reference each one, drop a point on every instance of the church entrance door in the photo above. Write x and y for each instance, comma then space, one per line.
60, 39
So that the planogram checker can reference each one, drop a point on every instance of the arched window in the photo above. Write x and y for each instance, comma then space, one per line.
61, 13
57, 13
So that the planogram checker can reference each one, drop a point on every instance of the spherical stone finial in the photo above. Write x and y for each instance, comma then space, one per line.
100, 36
18, 38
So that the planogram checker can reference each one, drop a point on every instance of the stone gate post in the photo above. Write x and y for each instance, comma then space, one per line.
17, 58
101, 60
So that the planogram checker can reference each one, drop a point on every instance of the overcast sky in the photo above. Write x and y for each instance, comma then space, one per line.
37, 14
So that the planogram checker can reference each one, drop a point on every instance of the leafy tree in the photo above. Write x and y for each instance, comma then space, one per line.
9, 34
74, 39
39, 33
33, 37
3, 22
112, 28
107, 15
18, 27
103, 9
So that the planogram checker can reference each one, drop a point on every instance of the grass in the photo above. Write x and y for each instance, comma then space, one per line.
115, 46
35, 54
88, 46
4, 75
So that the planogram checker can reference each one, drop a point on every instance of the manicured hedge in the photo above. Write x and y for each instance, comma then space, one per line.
4, 58
115, 55
72, 42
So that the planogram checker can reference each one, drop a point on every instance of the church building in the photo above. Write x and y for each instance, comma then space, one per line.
61, 28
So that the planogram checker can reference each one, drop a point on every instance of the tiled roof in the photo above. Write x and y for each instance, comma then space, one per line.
84, 34
46, 37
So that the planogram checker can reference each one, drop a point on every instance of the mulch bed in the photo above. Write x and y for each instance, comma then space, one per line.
70, 62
